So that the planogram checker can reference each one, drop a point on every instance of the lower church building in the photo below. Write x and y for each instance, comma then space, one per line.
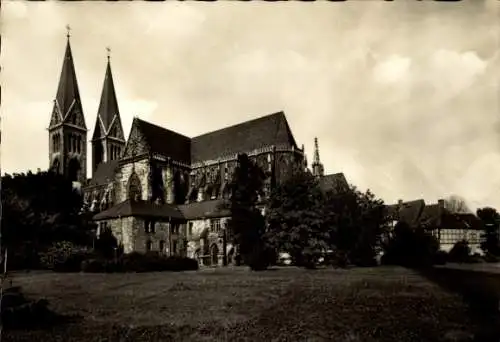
159, 190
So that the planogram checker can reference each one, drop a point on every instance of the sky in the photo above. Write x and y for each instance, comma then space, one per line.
403, 96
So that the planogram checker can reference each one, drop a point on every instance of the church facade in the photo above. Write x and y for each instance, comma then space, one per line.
160, 190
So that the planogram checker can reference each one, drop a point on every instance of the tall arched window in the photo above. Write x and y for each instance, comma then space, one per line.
78, 144
74, 169
134, 187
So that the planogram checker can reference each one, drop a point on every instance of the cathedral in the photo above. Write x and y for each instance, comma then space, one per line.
160, 190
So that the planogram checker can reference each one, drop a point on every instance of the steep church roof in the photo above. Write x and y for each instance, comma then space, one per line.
67, 90
265, 131
335, 182
163, 141
108, 106
105, 173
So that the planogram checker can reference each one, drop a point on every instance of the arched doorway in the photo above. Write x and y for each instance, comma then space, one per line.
73, 169
214, 255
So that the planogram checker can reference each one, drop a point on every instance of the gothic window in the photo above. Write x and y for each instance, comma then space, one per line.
215, 226
162, 246
134, 187
157, 183
98, 153
55, 165
190, 229
73, 169
79, 144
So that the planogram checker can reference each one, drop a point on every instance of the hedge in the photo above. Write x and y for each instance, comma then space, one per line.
136, 262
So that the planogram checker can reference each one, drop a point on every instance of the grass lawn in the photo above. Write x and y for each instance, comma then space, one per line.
235, 304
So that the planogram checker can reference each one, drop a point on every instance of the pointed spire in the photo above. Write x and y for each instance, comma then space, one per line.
316, 152
67, 90
108, 106
317, 167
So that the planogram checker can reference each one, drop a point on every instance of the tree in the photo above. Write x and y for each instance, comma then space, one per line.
246, 222
460, 252
39, 209
305, 221
490, 219
356, 221
295, 219
410, 247
456, 204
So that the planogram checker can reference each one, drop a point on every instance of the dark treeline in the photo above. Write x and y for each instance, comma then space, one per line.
39, 209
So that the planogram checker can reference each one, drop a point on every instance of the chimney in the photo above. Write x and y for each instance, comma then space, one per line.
441, 203
400, 202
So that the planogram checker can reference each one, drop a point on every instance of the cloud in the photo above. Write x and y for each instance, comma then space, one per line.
392, 70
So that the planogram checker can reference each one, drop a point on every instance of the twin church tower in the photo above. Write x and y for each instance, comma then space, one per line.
68, 131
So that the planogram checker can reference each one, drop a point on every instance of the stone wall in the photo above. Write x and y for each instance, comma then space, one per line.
131, 233
198, 247
141, 168
123, 231
161, 233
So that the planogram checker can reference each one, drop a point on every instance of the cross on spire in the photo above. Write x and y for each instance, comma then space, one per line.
68, 30
108, 50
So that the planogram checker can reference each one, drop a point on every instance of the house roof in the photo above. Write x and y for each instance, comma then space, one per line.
335, 182
431, 215
196, 210
191, 211
140, 208
265, 131
408, 212
104, 173
165, 142
417, 213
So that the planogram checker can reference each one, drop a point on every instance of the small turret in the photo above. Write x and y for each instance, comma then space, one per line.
317, 167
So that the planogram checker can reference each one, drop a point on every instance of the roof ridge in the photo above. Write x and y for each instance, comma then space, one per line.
242, 123
161, 127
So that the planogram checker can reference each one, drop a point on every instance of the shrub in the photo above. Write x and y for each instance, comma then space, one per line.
440, 258
460, 252
64, 257
260, 258
410, 247
106, 244
491, 258
476, 258
137, 262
